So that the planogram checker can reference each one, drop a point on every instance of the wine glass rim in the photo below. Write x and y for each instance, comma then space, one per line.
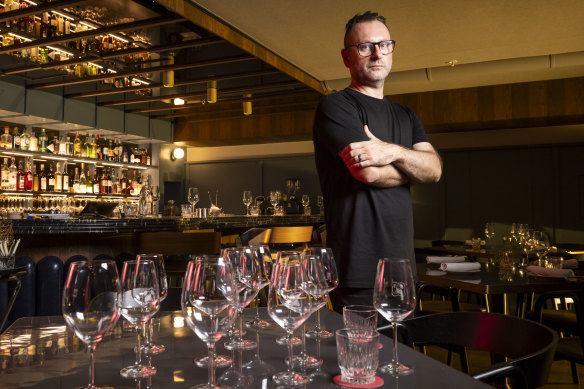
149, 255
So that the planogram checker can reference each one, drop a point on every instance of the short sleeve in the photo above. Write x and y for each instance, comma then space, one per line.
418, 132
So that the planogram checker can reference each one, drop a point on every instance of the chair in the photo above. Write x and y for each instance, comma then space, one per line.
49, 286
290, 237
570, 323
24, 304
529, 346
254, 236
103, 257
73, 258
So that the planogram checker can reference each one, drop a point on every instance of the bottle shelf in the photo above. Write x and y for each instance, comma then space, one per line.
30, 193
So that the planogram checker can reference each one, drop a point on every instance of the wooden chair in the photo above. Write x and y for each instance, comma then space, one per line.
282, 238
568, 322
528, 345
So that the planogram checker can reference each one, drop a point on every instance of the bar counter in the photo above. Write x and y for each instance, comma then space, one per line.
177, 224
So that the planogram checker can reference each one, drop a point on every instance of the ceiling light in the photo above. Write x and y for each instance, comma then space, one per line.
168, 75
247, 108
177, 153
178, 101
211, 91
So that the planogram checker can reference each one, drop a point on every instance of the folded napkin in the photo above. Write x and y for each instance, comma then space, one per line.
431, 259
431, 272
546, 272
465, 266
570, 263
468, 242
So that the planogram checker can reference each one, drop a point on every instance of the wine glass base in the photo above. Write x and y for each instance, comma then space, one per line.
138, 371
304, 361
290, 378
240, 345
322, 334
220, 361
94, 387
152, 349
231, 378
283, 341
396, 369
257, 324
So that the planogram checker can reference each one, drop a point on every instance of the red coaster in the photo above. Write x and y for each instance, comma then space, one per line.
375, 384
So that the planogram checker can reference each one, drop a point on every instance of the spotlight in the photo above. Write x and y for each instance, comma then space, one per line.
211, 91
247, 108
177, 153
178, 101
168, 75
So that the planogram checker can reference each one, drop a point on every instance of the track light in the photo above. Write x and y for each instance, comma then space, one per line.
211, 91
178, 101
247, 108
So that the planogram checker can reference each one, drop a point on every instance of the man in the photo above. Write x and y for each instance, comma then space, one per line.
368, 150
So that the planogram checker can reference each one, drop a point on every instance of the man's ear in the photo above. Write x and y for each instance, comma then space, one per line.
345, 55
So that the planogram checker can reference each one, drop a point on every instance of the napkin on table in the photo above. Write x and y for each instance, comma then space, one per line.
570, 263
430, 259
547, 272
465, 266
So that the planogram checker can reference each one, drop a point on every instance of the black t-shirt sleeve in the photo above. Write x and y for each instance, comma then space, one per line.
337, 123
418, 132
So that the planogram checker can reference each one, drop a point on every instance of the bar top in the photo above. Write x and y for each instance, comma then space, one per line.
90, 226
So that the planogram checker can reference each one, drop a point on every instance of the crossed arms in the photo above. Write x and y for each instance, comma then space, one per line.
387, 165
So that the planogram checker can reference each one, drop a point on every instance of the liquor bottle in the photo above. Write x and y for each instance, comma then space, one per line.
98, 149
28, 178
53, 147
20, 177
6, 138
104, 149
88, 183
77, 145
42, 179
76, 183
15, 139
85, 148
12, 176
109, 188
51, 179
110, 150
35, 179
102, 182
95, 182
25, 140
62, 146
82, 180
5, 180
34, 142
58, 179
43, 141
123, 184
65, 180
93, 148
129, 188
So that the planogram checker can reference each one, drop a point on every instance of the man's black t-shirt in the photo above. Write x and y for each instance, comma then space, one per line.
364, 223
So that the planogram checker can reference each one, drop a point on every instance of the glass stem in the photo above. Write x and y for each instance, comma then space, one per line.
91, 348
394, 359
257, 349
257, 316
303, 353
241, 326
290, 352
211, 365
317, 327
140, 330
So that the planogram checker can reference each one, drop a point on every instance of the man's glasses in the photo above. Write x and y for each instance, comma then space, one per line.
365, 49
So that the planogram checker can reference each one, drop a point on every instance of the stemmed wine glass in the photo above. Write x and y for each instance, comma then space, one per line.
394, 297
249, 282
140, 301
209, 301
289, 306
274, 198
264, 258
328, 277
305, 200
158, 259
193, 197
247, 199
540, 246
91, 304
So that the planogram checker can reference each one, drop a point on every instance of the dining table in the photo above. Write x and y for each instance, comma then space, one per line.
41, 352
499, 283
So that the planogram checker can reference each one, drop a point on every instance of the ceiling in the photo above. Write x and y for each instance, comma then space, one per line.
287, 54
489, 42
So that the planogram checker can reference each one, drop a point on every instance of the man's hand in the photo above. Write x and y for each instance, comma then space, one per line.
372, 152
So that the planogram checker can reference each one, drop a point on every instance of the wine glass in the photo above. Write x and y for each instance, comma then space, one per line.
329, 277
155, 199
264, 258
305, 200
320, 202
91, 304
208, 300
247, 199
249, 282
289, 306
158, 259
274, 197
193, 197
394, 297
140, 301
540, 246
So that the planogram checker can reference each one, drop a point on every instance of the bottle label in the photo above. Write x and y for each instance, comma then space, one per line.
66, 183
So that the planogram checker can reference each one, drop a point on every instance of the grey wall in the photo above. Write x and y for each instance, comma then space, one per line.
541, 186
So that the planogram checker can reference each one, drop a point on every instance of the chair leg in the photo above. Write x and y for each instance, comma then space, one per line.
463, 361
575, 378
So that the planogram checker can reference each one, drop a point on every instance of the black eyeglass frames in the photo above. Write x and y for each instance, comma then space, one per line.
365, 49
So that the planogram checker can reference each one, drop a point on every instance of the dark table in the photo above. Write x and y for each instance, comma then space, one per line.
496, 283
41, 352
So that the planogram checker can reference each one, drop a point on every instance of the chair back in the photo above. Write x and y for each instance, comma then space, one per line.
529, 346
291, 235
49, 286
25, 301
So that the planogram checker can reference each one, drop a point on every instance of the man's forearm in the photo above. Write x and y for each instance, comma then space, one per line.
421, 165
380, 176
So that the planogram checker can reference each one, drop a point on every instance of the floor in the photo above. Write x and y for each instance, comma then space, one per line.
560, 375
